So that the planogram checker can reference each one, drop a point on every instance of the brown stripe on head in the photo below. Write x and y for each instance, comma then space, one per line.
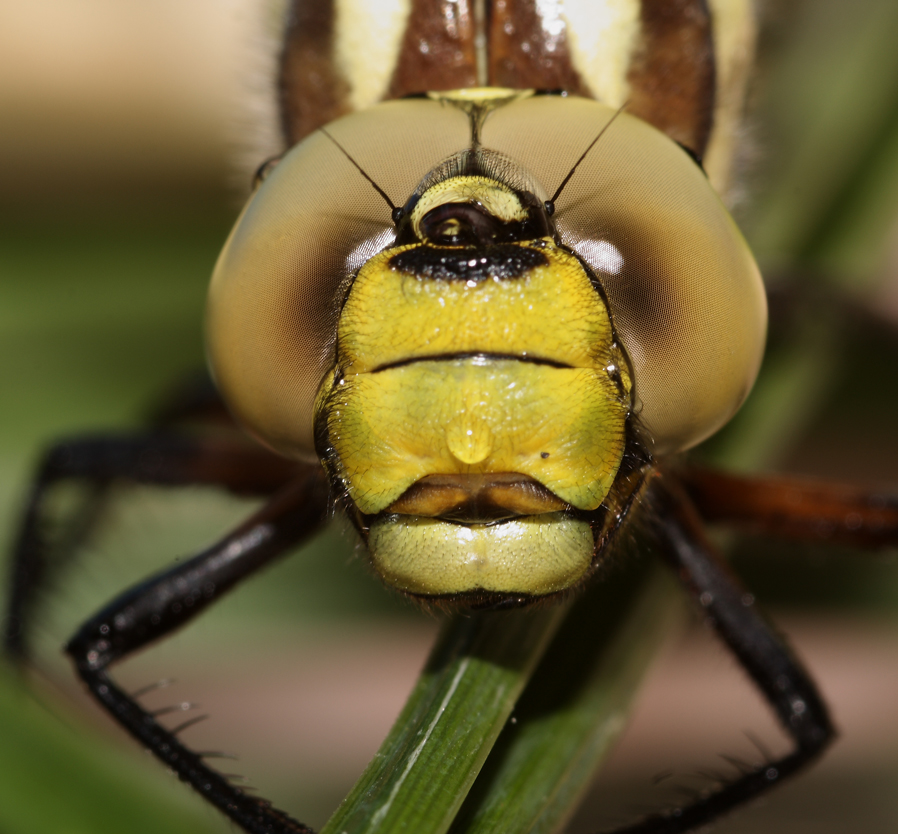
438, 49
672, 77
311, 90
523, 55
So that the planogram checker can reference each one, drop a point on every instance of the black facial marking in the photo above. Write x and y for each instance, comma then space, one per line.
441, 263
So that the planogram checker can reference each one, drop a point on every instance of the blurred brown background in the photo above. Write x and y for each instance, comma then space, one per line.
127, 134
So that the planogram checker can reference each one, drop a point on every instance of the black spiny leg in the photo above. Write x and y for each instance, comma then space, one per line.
158, 457
777, 673
167, 601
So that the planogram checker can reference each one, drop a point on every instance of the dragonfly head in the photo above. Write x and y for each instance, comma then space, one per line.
485, 374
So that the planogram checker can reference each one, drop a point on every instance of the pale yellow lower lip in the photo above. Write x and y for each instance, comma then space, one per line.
536, 555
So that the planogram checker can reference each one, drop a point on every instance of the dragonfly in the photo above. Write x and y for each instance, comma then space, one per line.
688, 115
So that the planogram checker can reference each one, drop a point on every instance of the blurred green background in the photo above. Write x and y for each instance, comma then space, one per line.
120, 124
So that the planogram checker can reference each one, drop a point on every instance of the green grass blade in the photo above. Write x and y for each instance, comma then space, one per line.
574, 709
424, 769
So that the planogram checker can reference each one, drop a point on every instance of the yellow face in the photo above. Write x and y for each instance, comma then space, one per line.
508, 367
478, 396
485, 379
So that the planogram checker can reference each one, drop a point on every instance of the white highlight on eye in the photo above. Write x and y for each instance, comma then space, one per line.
602, 255
367, 249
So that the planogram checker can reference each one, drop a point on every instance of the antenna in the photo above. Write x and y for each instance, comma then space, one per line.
550, 203
395, 212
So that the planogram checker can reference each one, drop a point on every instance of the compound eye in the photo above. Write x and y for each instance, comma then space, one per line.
685, 294
313, 221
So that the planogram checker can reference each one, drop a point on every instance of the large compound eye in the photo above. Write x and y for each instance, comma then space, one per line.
685, 293
278, 285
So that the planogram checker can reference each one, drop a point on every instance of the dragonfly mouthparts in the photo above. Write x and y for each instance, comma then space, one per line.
477, 498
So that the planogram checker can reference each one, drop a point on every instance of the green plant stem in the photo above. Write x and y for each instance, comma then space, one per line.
569, 715
574, 709
424, 769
